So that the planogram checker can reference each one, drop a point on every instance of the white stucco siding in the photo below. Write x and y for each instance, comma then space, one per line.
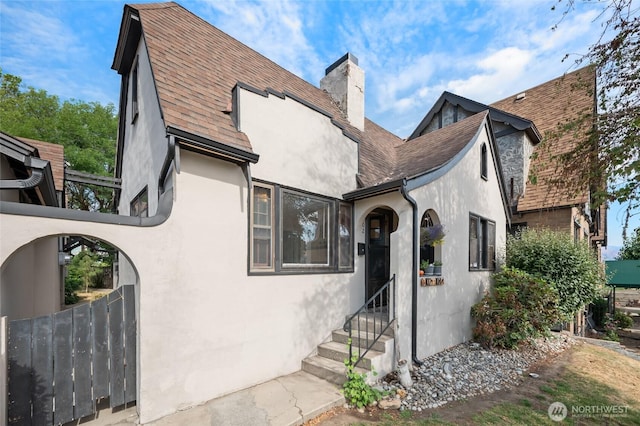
145, 140
298, 146
444, 311
205, 327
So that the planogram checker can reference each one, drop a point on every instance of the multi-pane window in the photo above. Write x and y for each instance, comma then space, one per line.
482, 243
294, 231
140, 204
262, 230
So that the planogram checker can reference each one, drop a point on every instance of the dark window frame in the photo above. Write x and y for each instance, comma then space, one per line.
339, 261
485, 251
484, 166
134, 205
134, 92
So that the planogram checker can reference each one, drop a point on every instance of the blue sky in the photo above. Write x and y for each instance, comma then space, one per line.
410, 51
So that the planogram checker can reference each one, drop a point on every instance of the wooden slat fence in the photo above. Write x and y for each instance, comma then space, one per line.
60, 365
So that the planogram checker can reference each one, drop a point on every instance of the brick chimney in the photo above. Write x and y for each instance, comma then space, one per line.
344, 81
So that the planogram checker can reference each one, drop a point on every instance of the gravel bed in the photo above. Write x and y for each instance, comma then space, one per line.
467, 370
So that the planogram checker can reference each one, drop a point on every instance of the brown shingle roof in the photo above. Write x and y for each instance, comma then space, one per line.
548, 105
54, 154
196, 66
395, 159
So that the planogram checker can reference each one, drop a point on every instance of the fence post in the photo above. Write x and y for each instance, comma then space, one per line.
3, 370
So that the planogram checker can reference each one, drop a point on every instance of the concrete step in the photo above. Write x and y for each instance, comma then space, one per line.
342, 336
339, 352
369, 321
325, 368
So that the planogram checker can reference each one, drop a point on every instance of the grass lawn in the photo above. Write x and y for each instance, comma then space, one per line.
590, 381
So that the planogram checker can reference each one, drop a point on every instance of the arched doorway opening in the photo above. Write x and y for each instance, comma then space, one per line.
66, 361
380, 223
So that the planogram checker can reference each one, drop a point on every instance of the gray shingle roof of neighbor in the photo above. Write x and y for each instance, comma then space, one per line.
517, 122
196, 67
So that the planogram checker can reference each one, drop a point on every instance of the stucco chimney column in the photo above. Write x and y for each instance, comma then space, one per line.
344, 81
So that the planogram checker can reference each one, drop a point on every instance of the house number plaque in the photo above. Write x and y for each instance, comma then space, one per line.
431, 281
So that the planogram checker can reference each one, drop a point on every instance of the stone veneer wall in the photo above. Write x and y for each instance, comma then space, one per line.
514, 163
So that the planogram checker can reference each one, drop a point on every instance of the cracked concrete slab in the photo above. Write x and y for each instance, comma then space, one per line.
285, 401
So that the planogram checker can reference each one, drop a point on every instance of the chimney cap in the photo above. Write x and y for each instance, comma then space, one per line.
337, 63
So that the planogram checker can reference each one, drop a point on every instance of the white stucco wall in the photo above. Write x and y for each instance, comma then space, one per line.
206, 328
30, 281
298, 147
444, 311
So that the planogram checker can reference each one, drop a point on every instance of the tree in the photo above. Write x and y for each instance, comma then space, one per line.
88, 132
553, 256
611, 151
631, 247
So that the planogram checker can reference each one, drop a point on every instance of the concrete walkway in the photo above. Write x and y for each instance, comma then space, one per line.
284, 401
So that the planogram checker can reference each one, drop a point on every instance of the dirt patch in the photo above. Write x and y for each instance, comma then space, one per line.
597, 363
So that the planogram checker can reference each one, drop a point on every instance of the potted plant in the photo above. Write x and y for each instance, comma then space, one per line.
432, 235
426, 267
437, 267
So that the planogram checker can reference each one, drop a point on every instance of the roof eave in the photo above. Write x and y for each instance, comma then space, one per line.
372, 191
210, 147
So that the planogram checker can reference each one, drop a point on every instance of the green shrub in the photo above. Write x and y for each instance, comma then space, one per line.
622, 319
356, 390
554, 257
521, 307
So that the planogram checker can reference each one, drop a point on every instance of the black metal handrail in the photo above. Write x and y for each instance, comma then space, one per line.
373, 311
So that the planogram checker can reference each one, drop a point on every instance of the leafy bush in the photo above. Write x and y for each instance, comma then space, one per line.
356, 390
554, 257
622, 319
522, 306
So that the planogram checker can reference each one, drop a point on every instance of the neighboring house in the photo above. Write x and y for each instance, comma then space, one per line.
32, 172
543, 204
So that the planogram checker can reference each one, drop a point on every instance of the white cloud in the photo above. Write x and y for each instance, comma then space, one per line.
274, 28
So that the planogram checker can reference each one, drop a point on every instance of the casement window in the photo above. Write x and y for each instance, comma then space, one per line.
297, 232
482, 243
483, 162
262, 229
140, 204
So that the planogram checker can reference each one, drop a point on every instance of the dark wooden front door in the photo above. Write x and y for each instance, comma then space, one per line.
378, 251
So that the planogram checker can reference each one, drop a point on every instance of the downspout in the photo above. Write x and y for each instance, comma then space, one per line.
414, 274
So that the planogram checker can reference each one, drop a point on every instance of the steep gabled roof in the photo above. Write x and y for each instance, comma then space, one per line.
396, 160
515, 121
548, 105
196, 67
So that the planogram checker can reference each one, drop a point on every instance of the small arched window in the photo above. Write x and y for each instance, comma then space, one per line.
483, 161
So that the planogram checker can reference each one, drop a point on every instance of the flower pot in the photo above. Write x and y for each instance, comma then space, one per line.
429, 270
437, 270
